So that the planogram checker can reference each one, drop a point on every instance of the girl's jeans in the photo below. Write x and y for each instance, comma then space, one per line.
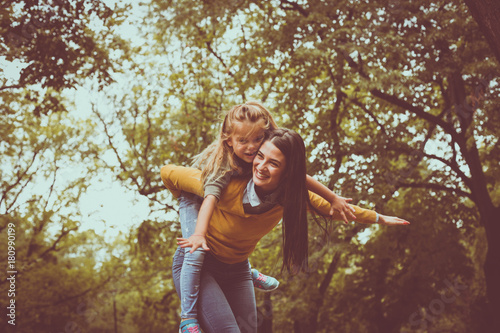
189, 206
226, 299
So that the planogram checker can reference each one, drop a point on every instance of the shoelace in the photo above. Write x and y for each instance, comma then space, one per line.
261, 277
193, 329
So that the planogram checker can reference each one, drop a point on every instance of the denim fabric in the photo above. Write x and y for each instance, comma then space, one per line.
189, 205
227, 300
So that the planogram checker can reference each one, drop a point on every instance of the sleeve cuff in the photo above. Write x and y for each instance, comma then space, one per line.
213, 190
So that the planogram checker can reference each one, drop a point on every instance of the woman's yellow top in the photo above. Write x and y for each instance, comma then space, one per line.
232, 235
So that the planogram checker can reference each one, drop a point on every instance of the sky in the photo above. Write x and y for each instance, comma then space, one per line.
107, 207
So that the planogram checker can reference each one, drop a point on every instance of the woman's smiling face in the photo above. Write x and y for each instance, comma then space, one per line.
268, 167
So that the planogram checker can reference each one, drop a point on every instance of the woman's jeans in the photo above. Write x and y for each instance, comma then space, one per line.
226, 295
189, 206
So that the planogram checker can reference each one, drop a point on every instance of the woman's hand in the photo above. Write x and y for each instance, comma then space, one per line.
194, 242
345, 210
391, 220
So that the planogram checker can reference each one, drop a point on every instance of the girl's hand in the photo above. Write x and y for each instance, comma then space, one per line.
194, 242
391, 220
345, 210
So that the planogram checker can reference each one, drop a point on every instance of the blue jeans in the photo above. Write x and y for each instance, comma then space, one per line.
226, 299
189, 206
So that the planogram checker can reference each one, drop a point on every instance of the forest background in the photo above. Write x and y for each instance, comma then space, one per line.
398, 102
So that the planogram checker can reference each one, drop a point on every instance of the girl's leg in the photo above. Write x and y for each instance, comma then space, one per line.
261, 281
177, 262
189, 205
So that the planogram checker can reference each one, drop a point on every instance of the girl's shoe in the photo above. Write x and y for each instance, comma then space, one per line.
263, 282
190, 326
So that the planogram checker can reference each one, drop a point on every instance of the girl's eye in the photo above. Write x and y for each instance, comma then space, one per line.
242, 141
259, 155
259, 139
274, 164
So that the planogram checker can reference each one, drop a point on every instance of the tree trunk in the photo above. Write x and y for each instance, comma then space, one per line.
114, 315
380, 321
267, 315
490, 219
310, 325
486, 14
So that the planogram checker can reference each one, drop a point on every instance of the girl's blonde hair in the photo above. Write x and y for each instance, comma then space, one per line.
219, 153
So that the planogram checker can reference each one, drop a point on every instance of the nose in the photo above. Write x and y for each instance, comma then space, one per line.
260, 165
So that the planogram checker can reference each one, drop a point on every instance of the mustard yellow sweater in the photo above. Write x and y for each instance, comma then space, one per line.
232, 235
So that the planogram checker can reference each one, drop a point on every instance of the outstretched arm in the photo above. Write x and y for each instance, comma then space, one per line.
362, 215
391, 220
338, 204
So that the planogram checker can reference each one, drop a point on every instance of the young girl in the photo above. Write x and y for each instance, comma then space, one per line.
243, 131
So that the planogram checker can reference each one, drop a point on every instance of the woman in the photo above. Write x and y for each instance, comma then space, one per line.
247, 211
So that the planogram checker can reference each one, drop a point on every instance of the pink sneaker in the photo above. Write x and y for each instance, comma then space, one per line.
263, 282
190, 326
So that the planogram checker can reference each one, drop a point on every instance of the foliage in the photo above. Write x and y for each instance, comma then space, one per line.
390, 96
398, 103
37, 202
57, 45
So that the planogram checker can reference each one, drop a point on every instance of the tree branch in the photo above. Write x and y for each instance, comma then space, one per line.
15, 86
53, 246
212, 51
273, 81
145, 155
51, 190
448, 128
288, 5
17, 182
363, 107
453, 165
108, 135
433, 186
329, 274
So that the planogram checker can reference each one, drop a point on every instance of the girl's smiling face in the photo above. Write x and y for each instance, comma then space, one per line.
268, 167
245, 146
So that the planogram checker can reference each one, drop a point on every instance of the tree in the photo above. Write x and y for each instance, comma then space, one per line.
144, 132
40, 216
410, 279
485, 13
68, 279
401, 95
58, 44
